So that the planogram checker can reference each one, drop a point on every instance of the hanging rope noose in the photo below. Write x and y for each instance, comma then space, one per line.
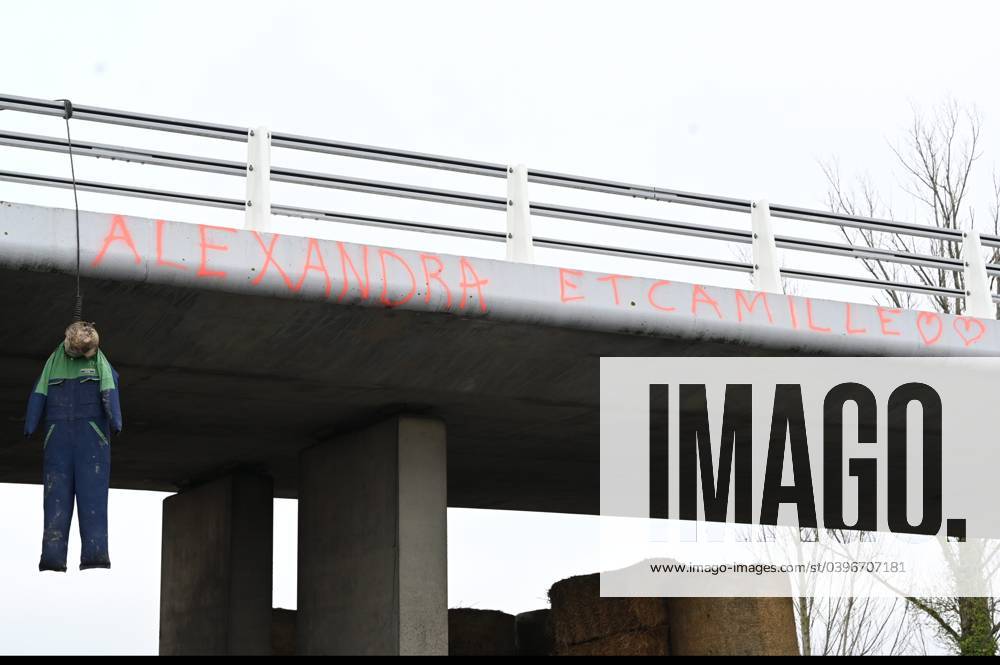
67, 114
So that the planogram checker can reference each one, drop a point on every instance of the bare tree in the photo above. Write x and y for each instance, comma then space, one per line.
937, 156
851, 625
860, 626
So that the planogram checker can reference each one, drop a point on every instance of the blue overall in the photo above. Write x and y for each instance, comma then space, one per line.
78, 419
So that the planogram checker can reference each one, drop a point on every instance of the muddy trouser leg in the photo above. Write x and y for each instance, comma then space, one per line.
93, 472
58, 482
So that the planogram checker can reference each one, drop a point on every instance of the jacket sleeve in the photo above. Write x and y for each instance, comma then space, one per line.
36, 409
112, 405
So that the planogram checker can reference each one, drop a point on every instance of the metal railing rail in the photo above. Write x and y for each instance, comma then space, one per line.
977, 292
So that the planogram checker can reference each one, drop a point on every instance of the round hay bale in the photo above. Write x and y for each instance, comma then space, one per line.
534, 633
652, 642
480, 633
579, 614
732, 627
282, 632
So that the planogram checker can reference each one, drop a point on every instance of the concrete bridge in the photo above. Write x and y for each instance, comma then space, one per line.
379, 385
376, 385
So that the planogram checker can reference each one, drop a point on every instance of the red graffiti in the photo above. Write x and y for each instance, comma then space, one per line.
117, 233
471, 280
963, 324
160, 261
319, 266
613, 280
435, 276
345, 262
741, 302
923, 319
564, 282
884, 317
652, 300
700, 297
792, 314
386, 300
749, 305
269, 261
203, 270
809, 318
847, 322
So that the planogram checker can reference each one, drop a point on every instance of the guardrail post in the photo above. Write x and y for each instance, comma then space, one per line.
766, 271
978, 297
258, 201
519, 238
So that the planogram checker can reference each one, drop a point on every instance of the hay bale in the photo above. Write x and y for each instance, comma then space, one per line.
651, 642
282, 632
481, 633
732, 627
534, 633
579, 614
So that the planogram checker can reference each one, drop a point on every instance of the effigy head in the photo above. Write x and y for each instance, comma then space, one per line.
82, 340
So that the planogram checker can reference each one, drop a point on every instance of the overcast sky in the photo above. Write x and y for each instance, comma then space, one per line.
733, 98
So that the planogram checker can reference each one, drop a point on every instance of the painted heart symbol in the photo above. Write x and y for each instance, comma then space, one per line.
927, 322
964, 325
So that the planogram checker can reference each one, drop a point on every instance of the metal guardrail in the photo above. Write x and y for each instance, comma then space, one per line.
259, 173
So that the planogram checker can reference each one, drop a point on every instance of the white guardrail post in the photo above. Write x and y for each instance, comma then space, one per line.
978, 297
258, 200
519, 239
766, 271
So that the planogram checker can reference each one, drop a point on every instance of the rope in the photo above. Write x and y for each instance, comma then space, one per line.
67, 114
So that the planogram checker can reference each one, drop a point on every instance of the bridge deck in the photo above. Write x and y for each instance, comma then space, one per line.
238, 349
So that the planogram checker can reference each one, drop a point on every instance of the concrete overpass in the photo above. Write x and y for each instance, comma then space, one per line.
240, 348
377, 385
255, 365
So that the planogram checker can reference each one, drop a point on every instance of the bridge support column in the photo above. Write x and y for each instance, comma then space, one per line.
373, 572
216, 568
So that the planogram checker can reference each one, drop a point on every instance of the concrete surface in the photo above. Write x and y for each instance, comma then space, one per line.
373, 551
216, 568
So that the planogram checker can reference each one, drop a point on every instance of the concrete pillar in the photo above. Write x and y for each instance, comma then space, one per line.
373, 572
216, 568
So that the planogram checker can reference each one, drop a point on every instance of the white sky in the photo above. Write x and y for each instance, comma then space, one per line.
731, 98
